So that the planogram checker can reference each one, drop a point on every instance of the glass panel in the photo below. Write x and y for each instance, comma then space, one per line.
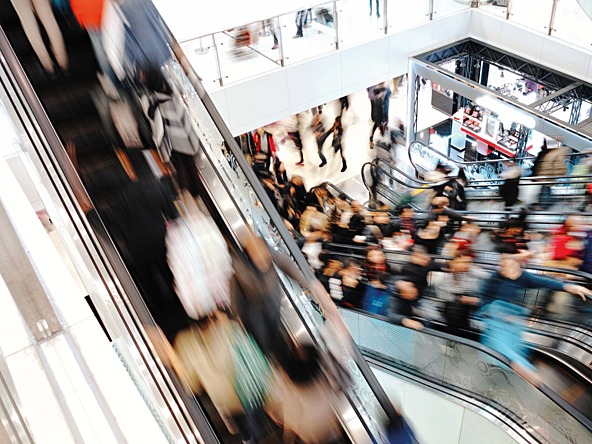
246, 51
531, 14
359, 22
499, 7
466, 368
247, 202
403, 14
202, 54
308, 33
445, 7
572, 23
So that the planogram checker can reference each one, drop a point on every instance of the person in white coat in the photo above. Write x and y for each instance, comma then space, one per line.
31, 10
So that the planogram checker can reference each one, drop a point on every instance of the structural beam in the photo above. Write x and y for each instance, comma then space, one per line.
555, 95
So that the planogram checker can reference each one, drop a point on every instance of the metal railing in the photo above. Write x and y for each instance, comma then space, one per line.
266, 44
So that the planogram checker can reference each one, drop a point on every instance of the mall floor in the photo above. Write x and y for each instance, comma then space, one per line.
357, 126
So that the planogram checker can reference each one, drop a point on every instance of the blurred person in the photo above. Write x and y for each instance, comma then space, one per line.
281, 175
457, 285
320, 196
586, 265
376, 263
339, 219
377, 296
313, 246
298, 192
509, 189
313, 218
404, 304
147, 45
137, 221
172, 131
353, 287
501, 295
265, 144
300, 18
256, 295
330, 276
550, 162
418, 268
379, 110
89, 14
432, 236
301, 400
377, 8
321, 135
406, 222
511, 238
357, 221
207, 363
382, 228
294, 135
337, 143
344, 104
33, 12
566, 244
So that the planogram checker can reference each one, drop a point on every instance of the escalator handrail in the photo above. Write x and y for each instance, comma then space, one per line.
586, 276
538, 179
276, 219
92, 223
544, 389
471, 162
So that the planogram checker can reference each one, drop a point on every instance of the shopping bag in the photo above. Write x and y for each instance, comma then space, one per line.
251, 371
201, 264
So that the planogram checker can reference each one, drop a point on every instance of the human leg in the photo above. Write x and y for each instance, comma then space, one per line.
45, 14
299, 23
24, 9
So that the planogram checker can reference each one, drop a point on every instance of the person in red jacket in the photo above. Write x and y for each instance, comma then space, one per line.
89, 14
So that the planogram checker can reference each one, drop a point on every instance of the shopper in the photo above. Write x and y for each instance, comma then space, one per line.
29, 11
337, 142
300, 18
509, 189
320, 136
550, 162
501, 295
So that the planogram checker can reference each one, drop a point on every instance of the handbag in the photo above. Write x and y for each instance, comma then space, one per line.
252, 372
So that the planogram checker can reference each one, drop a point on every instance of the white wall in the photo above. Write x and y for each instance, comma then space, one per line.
192, 19
270, 97
532, 45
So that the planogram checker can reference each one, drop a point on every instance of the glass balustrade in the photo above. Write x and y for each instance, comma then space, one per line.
572, 24
236, 54
466, 368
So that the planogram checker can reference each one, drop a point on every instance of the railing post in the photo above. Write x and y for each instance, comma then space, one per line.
509, 10
431, 9
385, 16
552, 18
336, 25
220, 80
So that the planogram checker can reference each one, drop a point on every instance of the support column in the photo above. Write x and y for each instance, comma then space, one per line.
412, 91
23, 283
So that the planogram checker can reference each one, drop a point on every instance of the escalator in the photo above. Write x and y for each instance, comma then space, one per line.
388, 185
479, 378
60, 110
484, 177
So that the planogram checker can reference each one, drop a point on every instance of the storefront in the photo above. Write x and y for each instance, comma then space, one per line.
497, 108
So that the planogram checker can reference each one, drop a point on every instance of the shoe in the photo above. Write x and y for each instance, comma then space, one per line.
306, 26
275, 46
344, 167
297, 36
323, 163
371, 145
377, 15
300, 164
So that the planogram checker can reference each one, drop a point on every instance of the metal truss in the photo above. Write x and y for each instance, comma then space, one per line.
567, 90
